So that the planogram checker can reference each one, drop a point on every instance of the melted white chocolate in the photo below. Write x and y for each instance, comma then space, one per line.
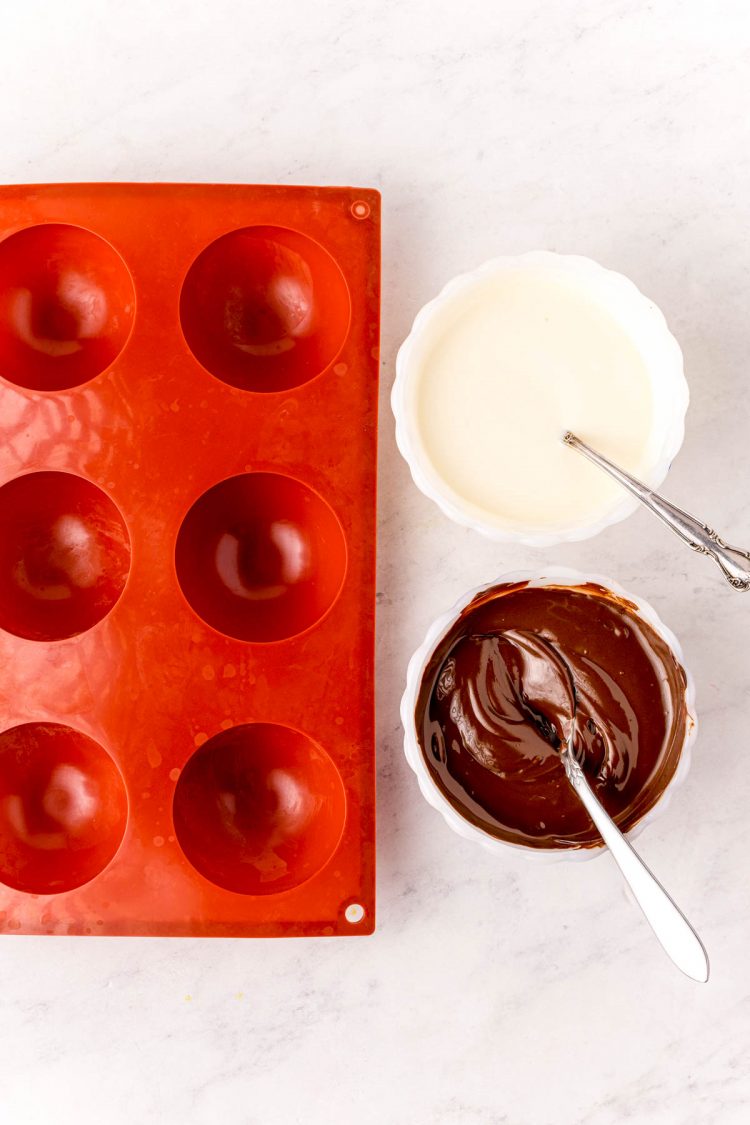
518, 360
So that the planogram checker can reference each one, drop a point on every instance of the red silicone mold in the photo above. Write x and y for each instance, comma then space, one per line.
188, 395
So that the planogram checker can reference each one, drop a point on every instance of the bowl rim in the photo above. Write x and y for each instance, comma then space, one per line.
546, 576
619, 288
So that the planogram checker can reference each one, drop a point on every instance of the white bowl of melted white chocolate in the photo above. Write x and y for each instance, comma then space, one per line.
507, 359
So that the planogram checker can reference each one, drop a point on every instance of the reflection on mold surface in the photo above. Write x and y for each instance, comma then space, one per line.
261, 557
67, 305
259, 809
64, 555
265, 308
262, 564
63, 808
67, 430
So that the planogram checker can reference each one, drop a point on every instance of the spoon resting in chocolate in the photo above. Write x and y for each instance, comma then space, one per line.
521, 687
488, 707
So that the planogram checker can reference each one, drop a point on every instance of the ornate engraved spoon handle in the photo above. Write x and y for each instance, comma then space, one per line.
733, 562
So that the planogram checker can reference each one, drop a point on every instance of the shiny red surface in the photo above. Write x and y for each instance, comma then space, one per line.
259, 809
67, 304
188, 395
265, 308
64, 555
261, 557
63, 808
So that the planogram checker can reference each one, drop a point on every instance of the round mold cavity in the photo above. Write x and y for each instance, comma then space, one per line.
265, 308
261, 557
64, 556
259, 809
67, 305
63, 808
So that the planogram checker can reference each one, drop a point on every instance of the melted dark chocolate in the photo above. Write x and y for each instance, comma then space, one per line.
496, 701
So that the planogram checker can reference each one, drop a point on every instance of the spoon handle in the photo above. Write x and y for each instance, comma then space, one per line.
677, 937
734, 563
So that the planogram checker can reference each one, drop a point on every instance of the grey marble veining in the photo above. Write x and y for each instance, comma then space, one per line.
494, 991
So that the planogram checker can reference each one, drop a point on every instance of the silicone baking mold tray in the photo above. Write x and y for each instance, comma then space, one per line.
188, 395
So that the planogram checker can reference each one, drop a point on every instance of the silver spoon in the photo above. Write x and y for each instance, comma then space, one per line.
677, 937
734, 563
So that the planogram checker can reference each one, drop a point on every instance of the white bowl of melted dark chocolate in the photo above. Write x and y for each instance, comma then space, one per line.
494, 702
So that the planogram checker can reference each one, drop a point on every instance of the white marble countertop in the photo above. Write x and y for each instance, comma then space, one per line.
493, 991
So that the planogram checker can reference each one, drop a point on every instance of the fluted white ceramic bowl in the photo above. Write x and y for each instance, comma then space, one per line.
550, 576
641, 320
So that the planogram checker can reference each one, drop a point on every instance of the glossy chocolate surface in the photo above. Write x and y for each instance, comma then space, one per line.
518, 669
